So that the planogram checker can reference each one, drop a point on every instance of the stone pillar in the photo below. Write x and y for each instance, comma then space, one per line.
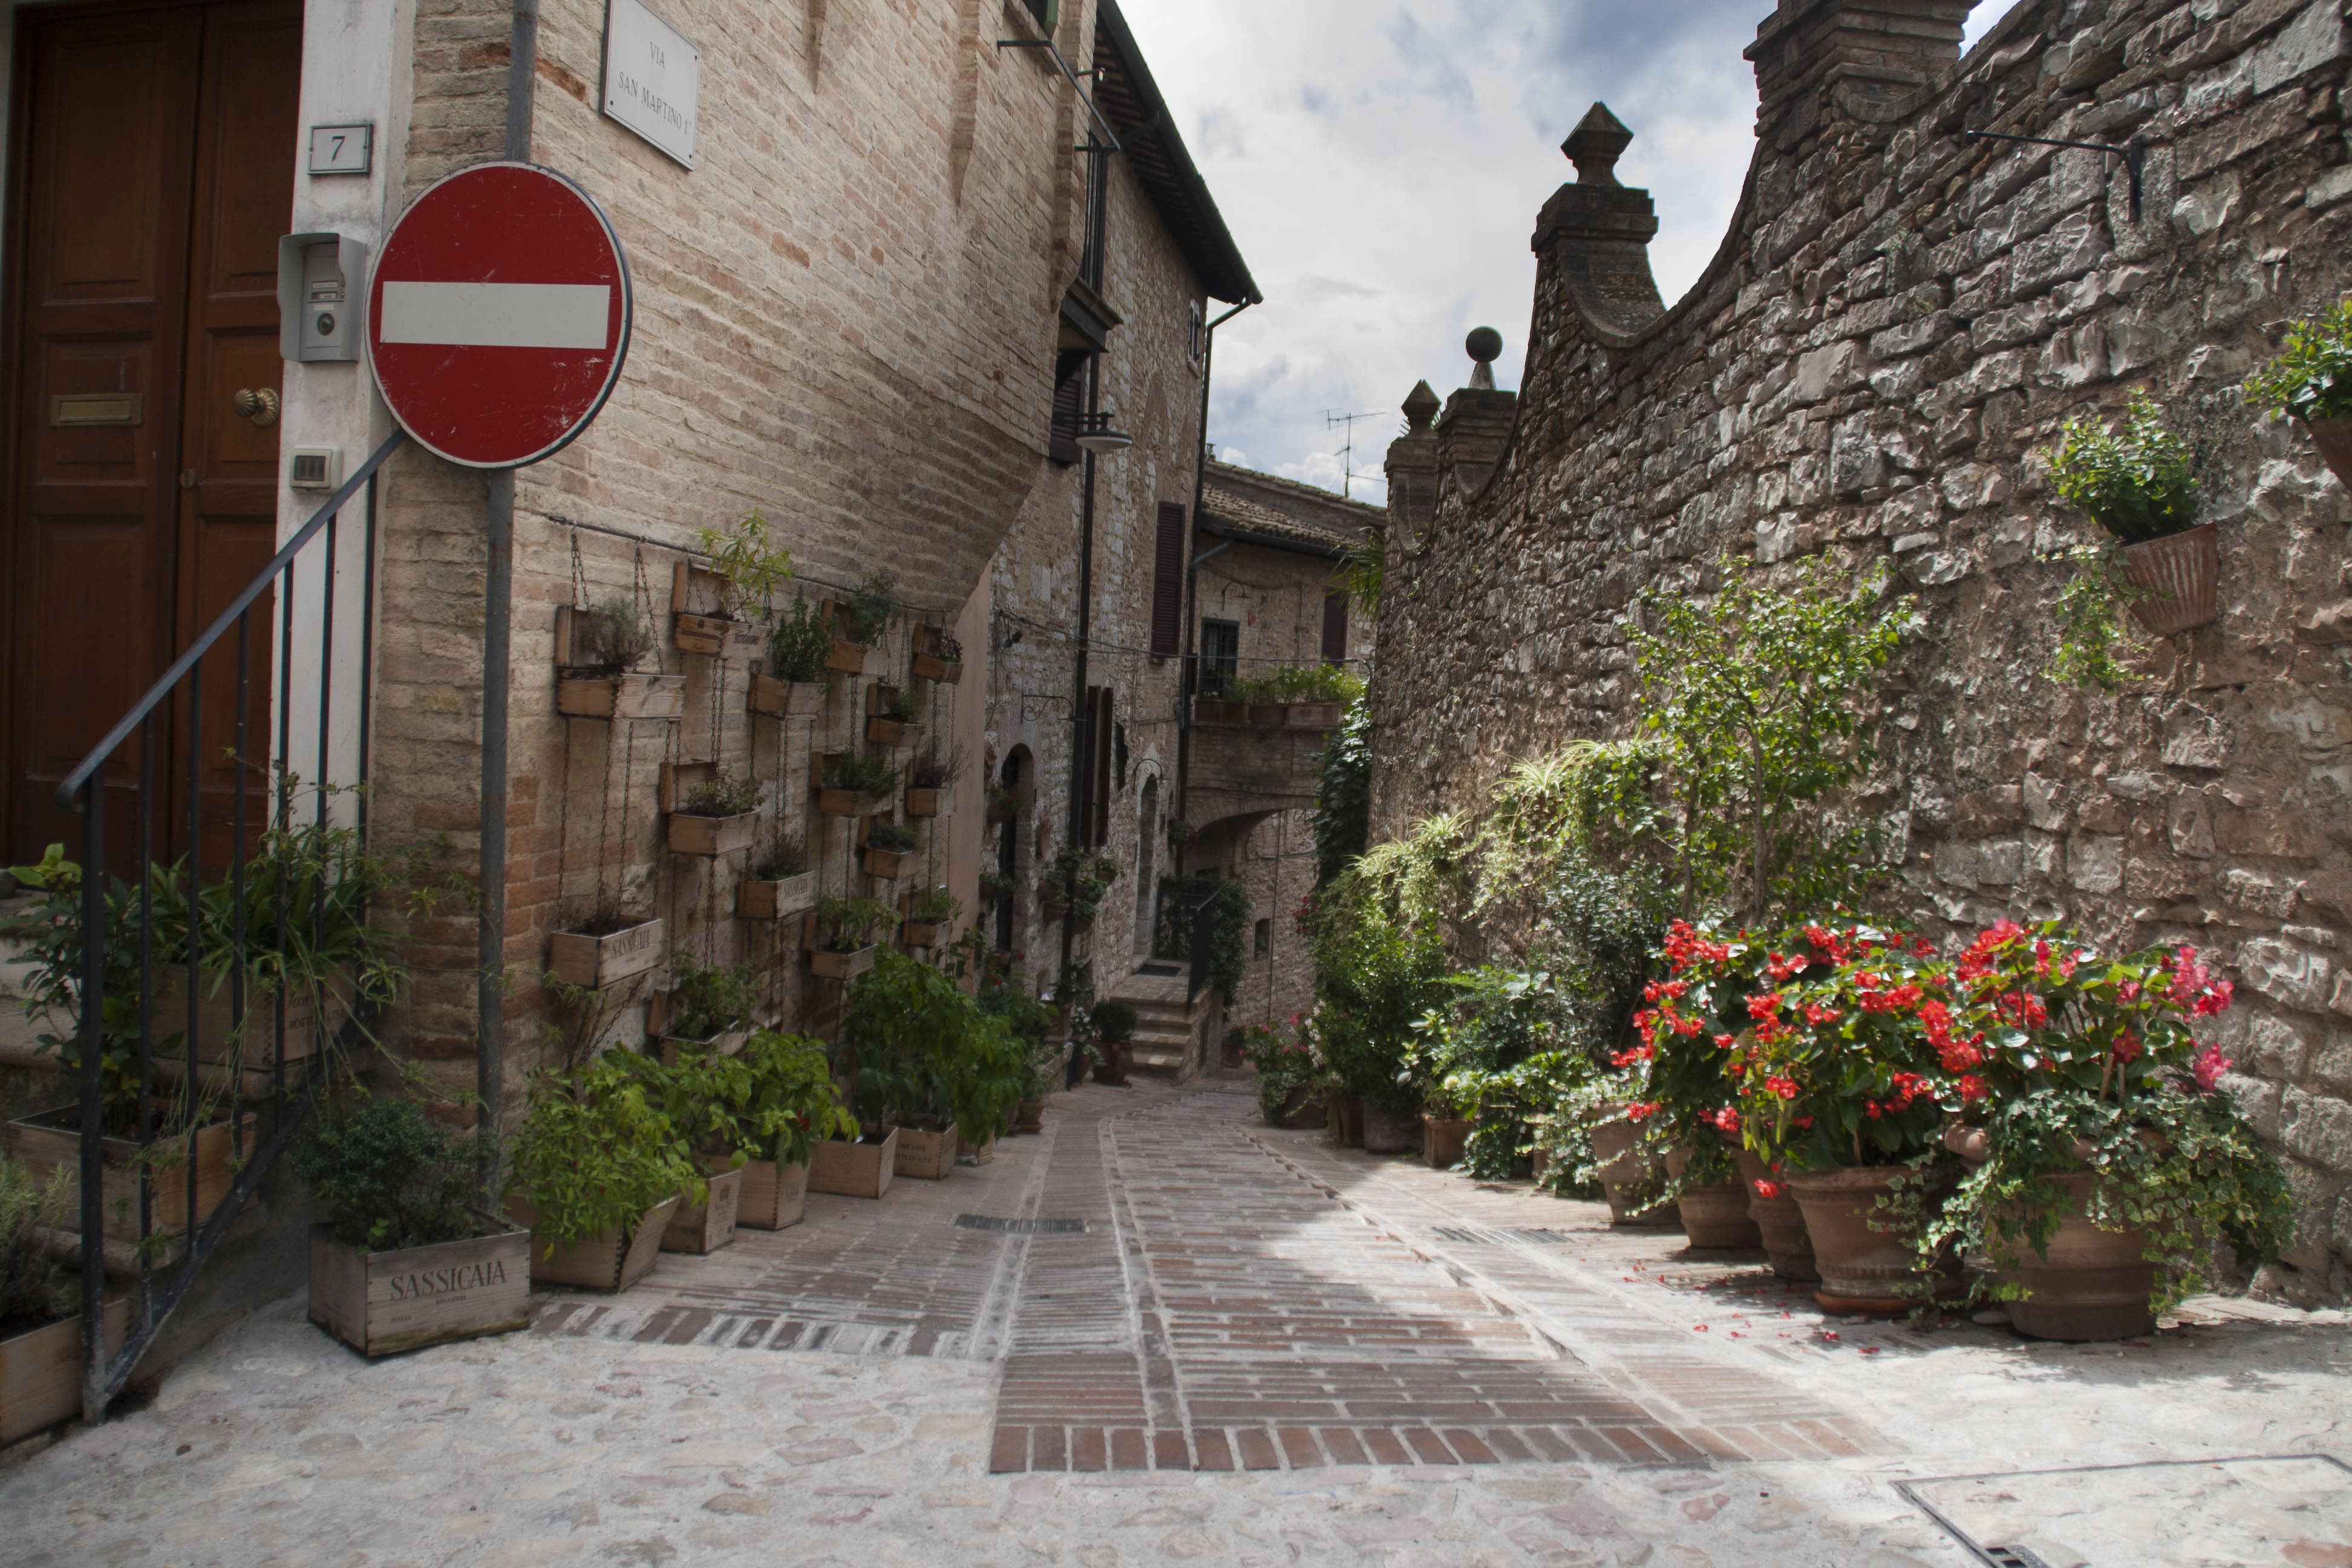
1594, 235
1477, 424
1871, 51
1412, 469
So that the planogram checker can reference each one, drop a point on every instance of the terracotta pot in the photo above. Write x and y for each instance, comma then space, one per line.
2094, 1284
1031, 1117
1781, 1222
1113, 1068
1714, 1217
2182, 575
1302, 1111
1390, 1132
1441, 1140
1347, 1120
1629, 1180
2333, 439
1863, 1270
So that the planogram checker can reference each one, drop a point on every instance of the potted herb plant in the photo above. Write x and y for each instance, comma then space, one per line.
602, 946
927, 913
789, 1106
938, 655
930, 781
1114, 1021
1075, 882
708, 1008
892, 713
996, 885
597, 1174
2138, 485
1006, 803
599, 654
2106, 1161
712, 811
859, 622
406, 1261
891, 849
696, 1091
852, 784
712, 607
797, 678
841, 933
40, 1311
2311, 380
917, 1049
780, 883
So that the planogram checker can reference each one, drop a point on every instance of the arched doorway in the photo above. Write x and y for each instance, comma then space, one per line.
1146, 866
1013, 780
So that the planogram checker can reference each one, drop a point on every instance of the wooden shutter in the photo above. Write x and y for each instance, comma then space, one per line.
1069, 407
1335, 628
1098, 743
1168, 584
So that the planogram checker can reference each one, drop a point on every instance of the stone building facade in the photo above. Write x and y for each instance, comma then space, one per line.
1267, 598
1899, 319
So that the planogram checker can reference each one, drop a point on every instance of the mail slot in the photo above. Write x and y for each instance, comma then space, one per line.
96, 408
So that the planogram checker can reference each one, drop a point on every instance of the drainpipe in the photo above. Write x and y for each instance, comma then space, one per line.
1189, 680
1081, 725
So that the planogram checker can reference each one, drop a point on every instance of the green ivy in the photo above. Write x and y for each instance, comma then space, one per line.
1343, 792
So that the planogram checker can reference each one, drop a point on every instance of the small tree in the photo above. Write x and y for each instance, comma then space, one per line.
1756, 698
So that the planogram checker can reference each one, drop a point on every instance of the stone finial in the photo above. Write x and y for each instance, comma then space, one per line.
1599, 140
1420, 407
1484, 345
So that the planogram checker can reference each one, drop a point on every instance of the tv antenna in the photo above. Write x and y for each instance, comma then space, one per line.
1333, 420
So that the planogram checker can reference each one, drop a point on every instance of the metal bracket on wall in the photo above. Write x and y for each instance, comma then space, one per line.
2133, 152
1047, 45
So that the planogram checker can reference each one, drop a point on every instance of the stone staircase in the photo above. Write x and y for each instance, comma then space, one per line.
1168, 1028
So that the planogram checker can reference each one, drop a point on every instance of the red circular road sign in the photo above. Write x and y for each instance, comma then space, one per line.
499, 315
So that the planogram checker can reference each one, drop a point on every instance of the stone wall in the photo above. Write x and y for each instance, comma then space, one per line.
1898, 319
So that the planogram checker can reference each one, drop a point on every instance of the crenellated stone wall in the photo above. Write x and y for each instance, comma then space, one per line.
1899, 319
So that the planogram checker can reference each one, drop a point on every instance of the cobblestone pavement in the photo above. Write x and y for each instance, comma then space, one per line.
1251, 1348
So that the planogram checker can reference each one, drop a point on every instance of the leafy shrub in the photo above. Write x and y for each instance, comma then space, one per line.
2312, 378
593, 1154
861, 773
393, 1176
898, 704
897, 837
872, 605
799, 646
1285, 1063
613, 638
1298, 683
792, 1104
2136, 483
935, 770
753, 568
846, 925
707, 1000
934, 907
1377, 971
721, 795
915, 1043
1115, 1021
33, 1289
1343, 792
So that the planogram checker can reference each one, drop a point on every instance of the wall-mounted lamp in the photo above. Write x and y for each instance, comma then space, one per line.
1097, 434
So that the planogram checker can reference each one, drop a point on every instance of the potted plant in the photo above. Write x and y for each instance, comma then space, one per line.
604, 946
712, 607
2311, 380
2138, 485
1680, 1084
852, 784
1293, 696
919, 1051
927, 913
797, 678
1030, 1024
859, 622
712, 811
40, 1310
598, 653
1075, 882
708, 1008
788, 1107
1006, 803
890, 848
597, 1174
1290, 1081
996, 885
840, 935
780, 884
892, 713
930, 781
2106, 1161
1114, 1022
696, 1091
406, 1261
938, 655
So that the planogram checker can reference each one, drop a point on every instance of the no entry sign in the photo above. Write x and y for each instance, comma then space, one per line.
499, 315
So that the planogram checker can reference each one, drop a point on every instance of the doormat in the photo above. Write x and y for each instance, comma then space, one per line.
1478, 1238
1022, 1227
2280, 1511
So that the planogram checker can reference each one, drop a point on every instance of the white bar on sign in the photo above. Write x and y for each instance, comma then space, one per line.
499, 315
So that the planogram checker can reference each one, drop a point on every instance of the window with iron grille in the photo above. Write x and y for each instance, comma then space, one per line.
1335, 628
1221, 656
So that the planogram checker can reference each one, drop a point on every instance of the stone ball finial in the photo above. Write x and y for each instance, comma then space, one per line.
1421, 406
1484, 345
1599, 140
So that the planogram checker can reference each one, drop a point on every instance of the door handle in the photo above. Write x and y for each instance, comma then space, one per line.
256, 404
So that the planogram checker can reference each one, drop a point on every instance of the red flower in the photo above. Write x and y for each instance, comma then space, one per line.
1782, 1085
1769, 1189
1817, 1014
2210, 1065
2127, 1047
1641, 1110
1972, 1089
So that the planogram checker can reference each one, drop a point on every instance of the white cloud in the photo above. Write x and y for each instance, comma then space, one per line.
1382, 165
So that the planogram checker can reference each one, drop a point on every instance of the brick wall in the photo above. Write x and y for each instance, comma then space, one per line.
1897, 321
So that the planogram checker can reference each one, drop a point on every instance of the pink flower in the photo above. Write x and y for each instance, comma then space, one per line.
2210, 1065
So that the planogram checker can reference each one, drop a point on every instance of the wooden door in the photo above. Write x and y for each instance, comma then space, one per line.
154, 170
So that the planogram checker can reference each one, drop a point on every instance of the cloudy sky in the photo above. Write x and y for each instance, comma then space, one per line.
1380, 164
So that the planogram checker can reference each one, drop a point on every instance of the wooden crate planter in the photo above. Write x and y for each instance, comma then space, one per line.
608, 1262
1312, 716
40, 1371
710, 836
784, 698
773, 1197
859, 1170
926, 1156
776, 900
889, 864
629, 696
53, 1138
841, 801
930, 802
697, 602
381, 1303
1216, 711
881, 729
701, 633
917, 933
981, 1154
829, 964
594, 962
220, 1055
928, 665
706, 1226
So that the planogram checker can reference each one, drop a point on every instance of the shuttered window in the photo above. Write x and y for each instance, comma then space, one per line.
1168, 584
1093, 822
1335, 628
1069, 407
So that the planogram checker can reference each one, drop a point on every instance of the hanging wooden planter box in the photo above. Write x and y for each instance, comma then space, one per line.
712, 836
834, 965
629, 696
701, 633
698, 600
709, 1225
381, 1303
930, 802
928, 665
1216, 711
886, 732
776, 900
859, 1170
833, 801
53, 1138
926, 1156
918, 934
881, 729
848, 657
593, 963
661, 1008
890, 864
783, 699
40, 1371
608, 1262
773, 1197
